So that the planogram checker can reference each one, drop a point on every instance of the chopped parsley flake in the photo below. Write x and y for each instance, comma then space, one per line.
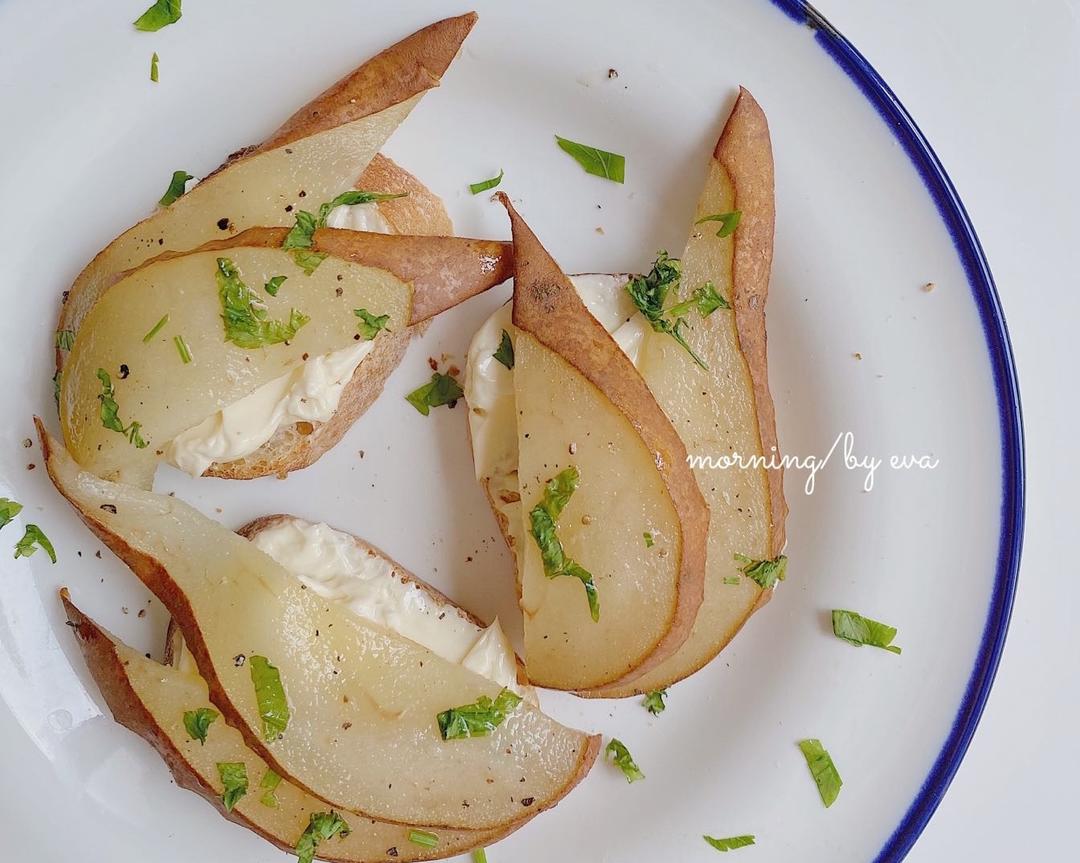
197, 722
440, 390
244, 315
619, 755
764, 572
599, 163
856, 629
110, 411
478, 719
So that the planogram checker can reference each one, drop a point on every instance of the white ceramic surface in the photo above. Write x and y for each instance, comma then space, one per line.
857, 238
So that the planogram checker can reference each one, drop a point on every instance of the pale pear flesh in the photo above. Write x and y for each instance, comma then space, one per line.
229, 599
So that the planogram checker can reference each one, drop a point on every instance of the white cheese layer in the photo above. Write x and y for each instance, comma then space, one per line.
338, 568
489, 385
309, 393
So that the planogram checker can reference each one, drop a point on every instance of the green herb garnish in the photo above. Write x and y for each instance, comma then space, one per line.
370, 325
484, 185
765, 572
599, 163
197, 723
729, 844
177, 188
270, 696
649, 293
423, 838
110, 412
161, 14
440, 390
32, 539
856, 629
654, 701
649, 541
245, 320
705, 299
731, 579
728, 222
65, 339
619, 755
505, 353
154, 67
56, 388
182, 349
321, 826
822, 769
8, 510
302, 234
308, 261
479, 855
234, 777
272, 286
478, 719
156, 329
544, 519
270, 782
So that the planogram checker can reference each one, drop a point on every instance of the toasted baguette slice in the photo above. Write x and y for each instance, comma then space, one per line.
150, 699
322, 668
735, 410
316, 154
582, 406
434, 611
408, 279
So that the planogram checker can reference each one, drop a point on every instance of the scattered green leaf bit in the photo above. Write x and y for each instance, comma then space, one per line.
56, 388
177, 188
245, 320
599, 163
620, 756
302, 235
728, 222
155, 329
731, 579
856, 629
234, 777
321, 826
272, 286
308, 261
544, 520
8, 510
479, 719
33, 539
505, 353
440, 390
110, 411
764, 572
484, 185
729, 844
270, 696
822, 769
197, 723
479, 855
370, 325
161, 14
270, 782
182, 349
649, 541
65, 339
654, 701
423, 838
705, 299
154, 67
649, 293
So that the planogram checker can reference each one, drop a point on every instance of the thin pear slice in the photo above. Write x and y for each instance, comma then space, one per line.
407, 278
581, 403
727, 408
230, 599
317, 154
150, 700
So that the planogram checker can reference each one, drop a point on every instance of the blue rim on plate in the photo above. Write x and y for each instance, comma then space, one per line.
984, 293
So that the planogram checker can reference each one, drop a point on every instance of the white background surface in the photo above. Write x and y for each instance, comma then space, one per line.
994, 86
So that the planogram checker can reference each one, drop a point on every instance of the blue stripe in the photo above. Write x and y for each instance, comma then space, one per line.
984, 293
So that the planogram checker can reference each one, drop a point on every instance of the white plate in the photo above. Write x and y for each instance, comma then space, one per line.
866, 217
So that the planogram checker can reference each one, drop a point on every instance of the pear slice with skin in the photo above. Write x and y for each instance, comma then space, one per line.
150, 700
315, 155
228, 599
727, 408
581, 403
409, 279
